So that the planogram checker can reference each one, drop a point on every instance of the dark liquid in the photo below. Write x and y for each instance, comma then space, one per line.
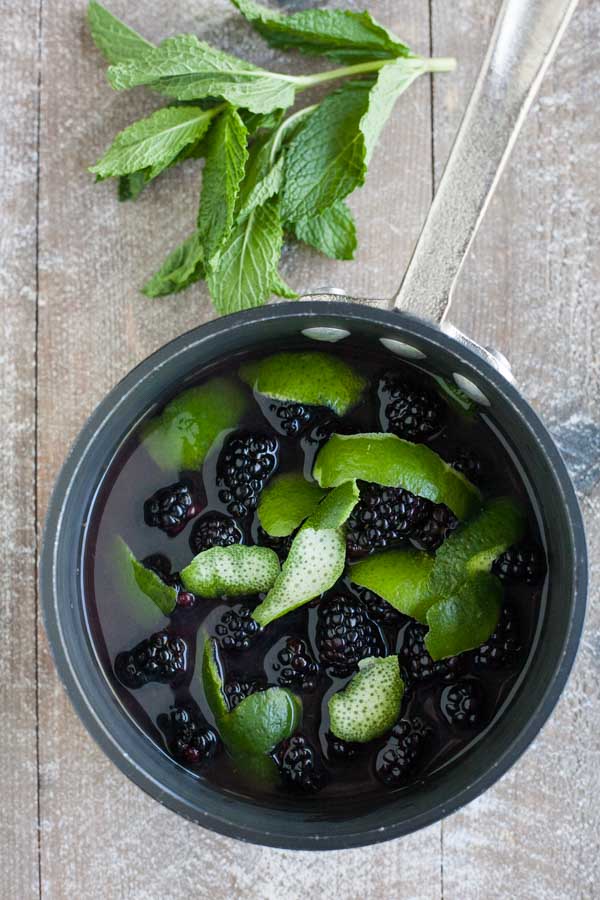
115, 627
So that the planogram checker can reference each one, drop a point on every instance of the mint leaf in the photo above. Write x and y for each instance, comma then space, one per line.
255, 121
153, 142
226, 157
131, 186
189, 69
466, 619
392, 80
327, 159
335, 33
183, 267
116, 40
247, 267
333, 231
263, 190
281, 289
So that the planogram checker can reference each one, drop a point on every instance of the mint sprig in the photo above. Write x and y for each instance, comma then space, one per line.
267, 177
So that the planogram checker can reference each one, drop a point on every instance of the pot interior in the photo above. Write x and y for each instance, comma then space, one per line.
352, 822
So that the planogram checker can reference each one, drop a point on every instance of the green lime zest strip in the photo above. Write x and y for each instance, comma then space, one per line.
335, 509
389, 460
255, 727
182, 435
399, 576
315, 562
369, 705
466, 619
318, 379
261, 721
286, 502
212, 680
455, 396
472, 548
137, 579
231, 571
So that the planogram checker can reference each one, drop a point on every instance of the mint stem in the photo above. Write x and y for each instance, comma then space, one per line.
437, 64
440, 64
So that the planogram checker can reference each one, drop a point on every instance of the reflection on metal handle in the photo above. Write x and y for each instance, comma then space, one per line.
525, 38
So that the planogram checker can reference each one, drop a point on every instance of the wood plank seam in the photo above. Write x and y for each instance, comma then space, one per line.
38, 525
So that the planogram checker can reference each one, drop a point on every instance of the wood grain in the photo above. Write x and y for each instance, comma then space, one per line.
101, 837
18, 202
529, 289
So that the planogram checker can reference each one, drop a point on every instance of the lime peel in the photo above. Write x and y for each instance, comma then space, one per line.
466, 619
315, 562
138, 580
183, 434
231, 571
335, 509
255, 727
318, 379
399, 576
389, 460
286, 502
369, 705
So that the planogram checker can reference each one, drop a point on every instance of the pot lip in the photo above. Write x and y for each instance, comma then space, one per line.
224, 823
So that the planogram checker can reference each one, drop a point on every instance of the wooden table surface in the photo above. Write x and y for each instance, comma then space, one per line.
73, 323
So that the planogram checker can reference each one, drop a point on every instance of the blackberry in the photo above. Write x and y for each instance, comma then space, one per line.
298, 764
525, 564
469, 464
170, 508
186, 599
160, 565
281, 545
379, 609
290, 419
296, 667
236, 629
161, 657
383, 516
346, 634
462, 704
416, 661
189, 739
246, 463
236, 691
341, 751
435, 528
214, 529
327, 425
501, 650
411, 413
400, 754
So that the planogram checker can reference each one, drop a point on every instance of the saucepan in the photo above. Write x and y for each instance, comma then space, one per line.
413, 325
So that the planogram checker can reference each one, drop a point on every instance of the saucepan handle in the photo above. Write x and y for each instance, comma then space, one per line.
523, 43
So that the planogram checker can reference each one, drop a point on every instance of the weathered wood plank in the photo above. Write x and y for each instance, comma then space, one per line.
101, 837
529, 289
18, 192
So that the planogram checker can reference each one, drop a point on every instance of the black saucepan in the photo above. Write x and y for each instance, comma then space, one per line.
523, 42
